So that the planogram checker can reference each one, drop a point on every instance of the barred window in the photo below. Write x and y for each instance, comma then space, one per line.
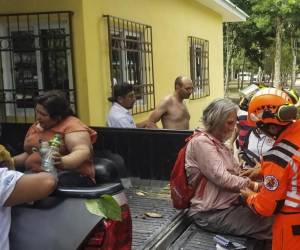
35, 56
199, 66
131, 60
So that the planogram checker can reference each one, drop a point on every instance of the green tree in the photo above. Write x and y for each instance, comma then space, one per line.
229, 46
292, 36
244, 42
274, 15
232, 48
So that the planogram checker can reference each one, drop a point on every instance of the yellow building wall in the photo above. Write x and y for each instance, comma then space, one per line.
32, 6
172, 21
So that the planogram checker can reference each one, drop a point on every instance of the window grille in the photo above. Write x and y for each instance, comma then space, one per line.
199, 66
35, 56
131, 59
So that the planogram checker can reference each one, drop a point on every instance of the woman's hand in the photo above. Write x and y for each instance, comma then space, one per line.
254, 186
58, 160
252, 173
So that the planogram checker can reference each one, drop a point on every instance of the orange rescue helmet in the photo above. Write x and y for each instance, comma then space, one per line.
265, 105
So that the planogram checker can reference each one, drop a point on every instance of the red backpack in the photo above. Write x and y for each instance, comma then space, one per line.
181, 191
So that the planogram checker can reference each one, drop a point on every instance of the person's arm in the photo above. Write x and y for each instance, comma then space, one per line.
20, 159
272, 193
30, 188
146, 124
157, 114
254, 173
80, 147
212, 166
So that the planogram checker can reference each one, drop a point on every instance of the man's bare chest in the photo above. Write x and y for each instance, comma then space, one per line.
178, 111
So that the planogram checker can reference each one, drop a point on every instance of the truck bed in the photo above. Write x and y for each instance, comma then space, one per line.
173, 230
150, 197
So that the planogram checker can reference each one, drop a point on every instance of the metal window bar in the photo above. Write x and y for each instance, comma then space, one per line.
199, 66
36, 55
131, 59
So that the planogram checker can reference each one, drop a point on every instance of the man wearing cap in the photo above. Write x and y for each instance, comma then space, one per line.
119, 116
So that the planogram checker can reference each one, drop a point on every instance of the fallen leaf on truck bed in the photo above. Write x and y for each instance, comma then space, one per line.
153, 215
140, 193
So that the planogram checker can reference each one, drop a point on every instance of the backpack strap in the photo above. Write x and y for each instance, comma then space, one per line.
197, 133
199, 177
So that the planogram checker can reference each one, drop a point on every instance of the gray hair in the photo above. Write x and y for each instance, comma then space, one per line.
215, 114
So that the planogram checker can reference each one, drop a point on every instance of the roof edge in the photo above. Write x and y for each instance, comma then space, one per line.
229, 11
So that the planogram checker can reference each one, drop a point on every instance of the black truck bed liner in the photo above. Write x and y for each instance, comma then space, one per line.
196, 238
147, 230
173, 231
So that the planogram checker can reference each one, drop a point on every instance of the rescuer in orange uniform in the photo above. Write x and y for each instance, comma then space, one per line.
274, 114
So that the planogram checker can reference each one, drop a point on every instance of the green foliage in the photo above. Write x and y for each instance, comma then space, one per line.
255, 38
275, 7
105, 206
249, 38
265, 11
262, 22
286, 66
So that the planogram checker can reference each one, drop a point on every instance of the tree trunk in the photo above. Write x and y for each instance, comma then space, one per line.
294, 58
259, 75
238, 78
228, 47
243, 70
277, 64
231, 71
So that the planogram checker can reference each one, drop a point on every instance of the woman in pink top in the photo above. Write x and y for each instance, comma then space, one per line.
54, 116
215, 205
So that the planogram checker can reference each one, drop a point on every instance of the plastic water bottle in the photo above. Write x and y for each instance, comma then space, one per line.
55, 142
44, 148
47, 154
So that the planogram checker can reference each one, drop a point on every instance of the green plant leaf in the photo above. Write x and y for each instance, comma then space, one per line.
93, 207
112, 208
105, 206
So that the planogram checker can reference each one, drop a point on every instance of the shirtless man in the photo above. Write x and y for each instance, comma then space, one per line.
172, 111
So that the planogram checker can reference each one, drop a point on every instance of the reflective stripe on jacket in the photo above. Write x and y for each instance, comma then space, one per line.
280, 168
